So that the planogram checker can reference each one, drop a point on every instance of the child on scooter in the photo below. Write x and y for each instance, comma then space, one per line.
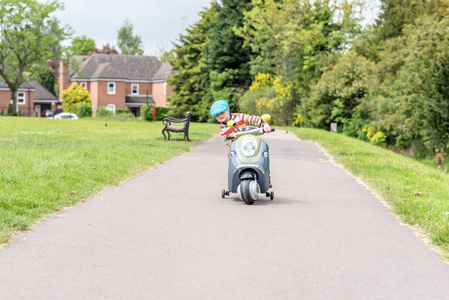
220, 110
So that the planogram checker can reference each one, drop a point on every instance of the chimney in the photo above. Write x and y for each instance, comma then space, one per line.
64, 82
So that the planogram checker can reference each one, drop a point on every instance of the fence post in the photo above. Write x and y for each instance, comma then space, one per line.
333, 127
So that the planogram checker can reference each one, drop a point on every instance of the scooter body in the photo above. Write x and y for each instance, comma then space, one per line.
249, 166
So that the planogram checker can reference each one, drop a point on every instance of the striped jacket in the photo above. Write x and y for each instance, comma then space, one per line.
241, 120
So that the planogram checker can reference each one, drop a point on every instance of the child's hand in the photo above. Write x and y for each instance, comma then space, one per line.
266, 127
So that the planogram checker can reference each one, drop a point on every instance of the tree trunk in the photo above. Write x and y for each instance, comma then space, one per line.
12, 107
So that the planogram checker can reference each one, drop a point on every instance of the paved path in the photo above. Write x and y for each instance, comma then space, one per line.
324, 236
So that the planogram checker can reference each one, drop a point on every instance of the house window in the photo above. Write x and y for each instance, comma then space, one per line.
84, 85
20, 98
135, 89
165, 88
111, 88
111, 108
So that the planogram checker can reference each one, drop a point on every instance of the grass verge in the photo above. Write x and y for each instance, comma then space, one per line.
46, 165
417, 193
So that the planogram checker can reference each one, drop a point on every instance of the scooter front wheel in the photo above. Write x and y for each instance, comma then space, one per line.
246, 189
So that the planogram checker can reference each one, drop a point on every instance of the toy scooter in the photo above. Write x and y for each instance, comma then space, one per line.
249, 164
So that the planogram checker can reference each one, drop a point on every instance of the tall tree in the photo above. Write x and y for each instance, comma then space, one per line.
127, 42
226, 58
46, 77
27, 34
292, 38
189, 82
82, 45
397, 13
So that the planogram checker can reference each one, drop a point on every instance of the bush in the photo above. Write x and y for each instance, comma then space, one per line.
103, 112
162, 112
84, 110
146, 111
74, 96
119, 111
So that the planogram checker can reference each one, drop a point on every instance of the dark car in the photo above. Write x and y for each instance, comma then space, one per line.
49, 114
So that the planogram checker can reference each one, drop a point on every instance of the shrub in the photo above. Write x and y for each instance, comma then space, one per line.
146, 111
74, 96
84, 110
119, 111
162, 112
103, 112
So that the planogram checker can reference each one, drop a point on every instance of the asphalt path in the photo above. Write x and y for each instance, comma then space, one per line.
168, 234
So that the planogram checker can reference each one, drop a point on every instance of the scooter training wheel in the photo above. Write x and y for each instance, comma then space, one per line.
271, 196
223, 193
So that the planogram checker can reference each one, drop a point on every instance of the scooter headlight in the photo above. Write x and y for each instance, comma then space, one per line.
249, 146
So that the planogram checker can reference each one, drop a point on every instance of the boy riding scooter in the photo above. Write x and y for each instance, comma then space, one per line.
220, 110
249, 164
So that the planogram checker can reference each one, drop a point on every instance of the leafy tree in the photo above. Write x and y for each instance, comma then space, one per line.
269, 95
190, 83
421, 84
293, 38
339, 91
28, 34
82, 45
395, 14
127, 42
73, 96
226, 58
46, 77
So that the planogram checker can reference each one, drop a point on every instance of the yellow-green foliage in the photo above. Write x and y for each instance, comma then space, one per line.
374, 137
74, 96
274, 97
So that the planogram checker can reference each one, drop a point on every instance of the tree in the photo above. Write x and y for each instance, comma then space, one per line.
27, 35
226, 58
74, 96
46, 77
82, 45
297, 39
127, 42
190, 83
339, 91
398, 13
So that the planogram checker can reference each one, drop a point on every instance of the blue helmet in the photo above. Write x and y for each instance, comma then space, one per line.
218, 107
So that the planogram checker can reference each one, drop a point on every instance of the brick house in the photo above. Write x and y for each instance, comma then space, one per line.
32, 99
120, 81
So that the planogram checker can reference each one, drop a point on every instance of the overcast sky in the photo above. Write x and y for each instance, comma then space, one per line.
157, 22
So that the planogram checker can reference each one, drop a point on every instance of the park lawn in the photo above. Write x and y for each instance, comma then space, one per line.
417, 193
47, 165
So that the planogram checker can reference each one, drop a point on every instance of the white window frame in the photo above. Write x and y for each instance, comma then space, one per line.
111, 90
21, 100
84, 84
111, 108
165, 88
136, 85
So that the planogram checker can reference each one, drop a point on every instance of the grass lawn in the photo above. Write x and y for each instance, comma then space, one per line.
417, 193
46, 165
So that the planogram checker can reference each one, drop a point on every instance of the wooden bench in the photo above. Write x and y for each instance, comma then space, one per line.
174, 128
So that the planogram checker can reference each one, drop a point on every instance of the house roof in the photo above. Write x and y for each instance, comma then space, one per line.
122, 67
41, 93
25, 85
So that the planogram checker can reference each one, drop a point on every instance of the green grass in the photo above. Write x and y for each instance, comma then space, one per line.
46, 165
417, 193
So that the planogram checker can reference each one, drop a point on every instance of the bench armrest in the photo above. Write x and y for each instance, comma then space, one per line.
169, 120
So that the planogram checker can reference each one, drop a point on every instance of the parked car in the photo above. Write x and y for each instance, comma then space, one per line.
49, 114
66, 116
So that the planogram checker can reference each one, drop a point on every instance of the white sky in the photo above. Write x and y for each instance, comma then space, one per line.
157, 22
